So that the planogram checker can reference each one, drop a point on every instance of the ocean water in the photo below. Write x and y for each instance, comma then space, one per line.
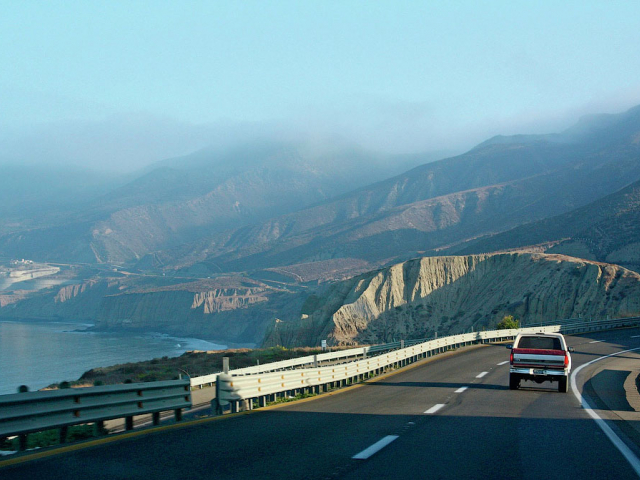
38, 354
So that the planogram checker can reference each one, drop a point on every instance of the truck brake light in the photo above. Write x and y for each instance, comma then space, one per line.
566, 360
511, 358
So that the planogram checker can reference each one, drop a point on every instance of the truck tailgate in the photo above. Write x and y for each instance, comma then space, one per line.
538, 358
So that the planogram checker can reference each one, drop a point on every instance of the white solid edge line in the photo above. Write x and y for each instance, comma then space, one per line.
504, 363
375, 448
597, 341
634, 336
435, 408
617, 441
480, 375
461, 389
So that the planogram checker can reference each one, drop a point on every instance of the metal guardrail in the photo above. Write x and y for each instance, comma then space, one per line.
237, 390
28, 412
595, 325
310, 360
572, 325
387, 346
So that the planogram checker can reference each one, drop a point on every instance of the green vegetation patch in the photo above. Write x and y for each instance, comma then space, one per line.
48, 438
299, 396
507, 323
193, 364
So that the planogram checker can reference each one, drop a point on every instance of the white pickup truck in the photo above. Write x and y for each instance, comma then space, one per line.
541, 357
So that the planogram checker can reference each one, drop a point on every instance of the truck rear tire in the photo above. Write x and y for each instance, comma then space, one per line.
563, 385
514, 381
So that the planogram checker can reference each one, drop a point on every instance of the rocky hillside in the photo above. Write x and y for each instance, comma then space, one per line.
78, 302
230, 310
607, 230
413, 299
420, 297
502, 183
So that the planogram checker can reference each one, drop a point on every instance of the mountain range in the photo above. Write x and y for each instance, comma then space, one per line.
182, 200
607, 230
434, 208
289, 243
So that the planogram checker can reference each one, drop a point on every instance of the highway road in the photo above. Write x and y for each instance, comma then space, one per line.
451, 417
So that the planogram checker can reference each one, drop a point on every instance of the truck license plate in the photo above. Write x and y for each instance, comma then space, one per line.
538, 372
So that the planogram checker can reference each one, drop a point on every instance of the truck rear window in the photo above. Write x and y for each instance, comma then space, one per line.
541, 343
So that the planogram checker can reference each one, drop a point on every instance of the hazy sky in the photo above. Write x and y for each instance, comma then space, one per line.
127, 82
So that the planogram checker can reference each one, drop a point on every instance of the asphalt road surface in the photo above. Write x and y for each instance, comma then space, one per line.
451, 417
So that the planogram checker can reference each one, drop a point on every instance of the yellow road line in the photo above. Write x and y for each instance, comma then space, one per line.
106, 440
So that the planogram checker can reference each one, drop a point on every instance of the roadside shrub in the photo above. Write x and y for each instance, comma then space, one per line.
80, 432
6, 444
507, 323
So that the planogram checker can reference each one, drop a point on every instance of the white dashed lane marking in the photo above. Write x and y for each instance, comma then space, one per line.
461, 389
480, 375
375, 448
435, 408
504, 363
597, 341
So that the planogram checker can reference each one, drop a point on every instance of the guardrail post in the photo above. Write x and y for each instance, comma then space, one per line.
62, 434
315, 361
100, 430
218, 409
156, 418
178, 414
128, 423
23, 442
225, 365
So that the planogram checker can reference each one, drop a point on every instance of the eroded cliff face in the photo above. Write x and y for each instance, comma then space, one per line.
226, 299
228, 315
418, 298
69, 292
77, 302
228, 309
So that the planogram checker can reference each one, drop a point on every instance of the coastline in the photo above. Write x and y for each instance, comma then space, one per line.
94, 328
39, 353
